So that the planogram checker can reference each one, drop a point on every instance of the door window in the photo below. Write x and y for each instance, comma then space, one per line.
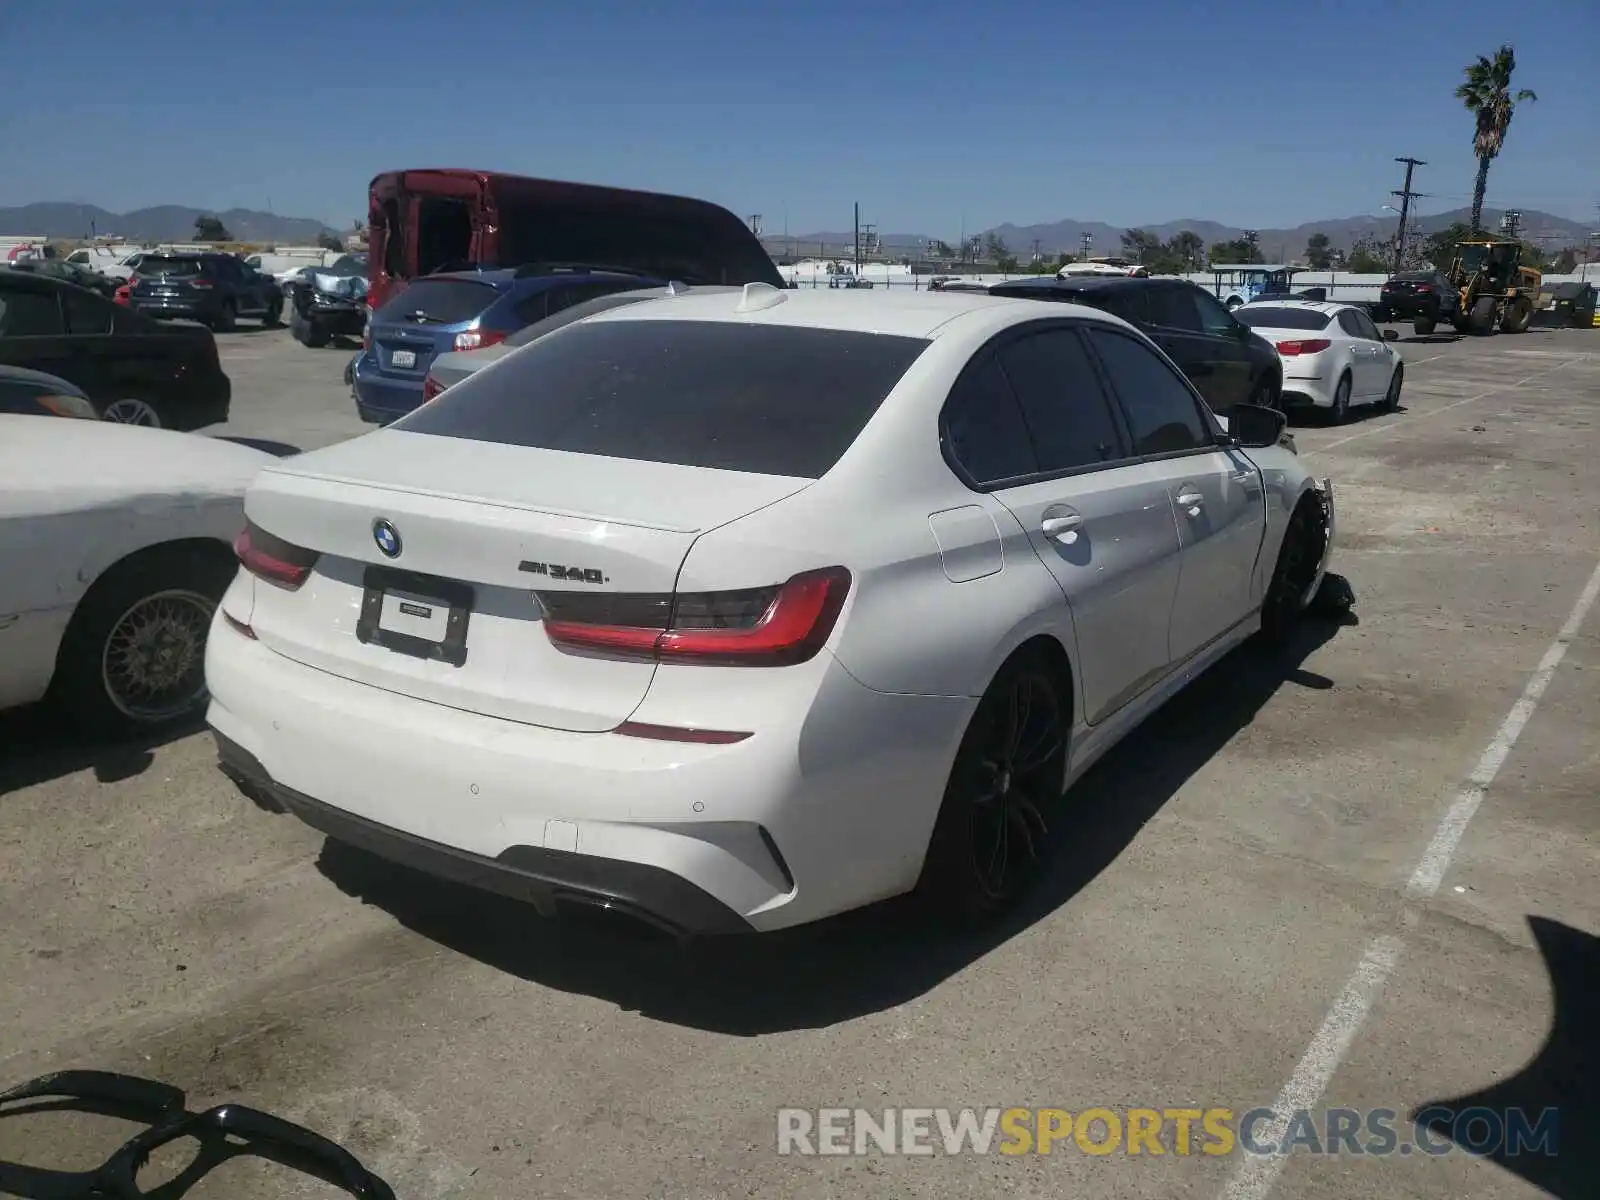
1214, 318
86, 313
1065, 408
1163, 415
28, 313
1172, 308
983, 427
1349, 322
1368, 329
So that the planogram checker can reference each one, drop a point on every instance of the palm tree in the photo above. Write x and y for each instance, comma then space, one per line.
1487, 95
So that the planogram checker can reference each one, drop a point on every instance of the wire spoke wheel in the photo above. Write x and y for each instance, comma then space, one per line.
132, 412
152, 665
1017, 772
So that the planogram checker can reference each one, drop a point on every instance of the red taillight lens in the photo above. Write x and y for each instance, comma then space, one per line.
197, 282
757, 627
366, 331
1308, 346
431, 387
1424, 287
271, 558
477, 339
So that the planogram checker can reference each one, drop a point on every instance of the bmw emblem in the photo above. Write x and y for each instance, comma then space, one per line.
387, 537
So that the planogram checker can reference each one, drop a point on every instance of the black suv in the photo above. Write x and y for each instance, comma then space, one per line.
1226, 362
1424, 298
214, 289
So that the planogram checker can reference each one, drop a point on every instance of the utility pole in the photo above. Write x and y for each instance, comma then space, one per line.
858, 237
1406, 195
1035, 249
755, 224
1086, 243
1511, 224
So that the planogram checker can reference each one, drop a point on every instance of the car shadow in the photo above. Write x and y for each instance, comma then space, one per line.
37, 745
1504, 1121
858, 963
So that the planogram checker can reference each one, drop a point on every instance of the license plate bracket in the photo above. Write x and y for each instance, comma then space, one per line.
411, 592
403, 358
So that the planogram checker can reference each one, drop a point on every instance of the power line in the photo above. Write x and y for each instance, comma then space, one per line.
1406, 196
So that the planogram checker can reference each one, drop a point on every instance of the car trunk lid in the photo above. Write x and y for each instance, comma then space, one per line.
419, 323
479, 529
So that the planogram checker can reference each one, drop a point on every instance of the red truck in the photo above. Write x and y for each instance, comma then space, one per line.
433, 219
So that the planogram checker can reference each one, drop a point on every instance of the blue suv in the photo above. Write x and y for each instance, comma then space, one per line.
464, 310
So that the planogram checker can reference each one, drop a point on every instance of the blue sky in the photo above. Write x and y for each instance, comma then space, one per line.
934, 116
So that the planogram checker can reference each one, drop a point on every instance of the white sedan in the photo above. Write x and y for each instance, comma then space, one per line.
114, 550
1333, 356
740, 610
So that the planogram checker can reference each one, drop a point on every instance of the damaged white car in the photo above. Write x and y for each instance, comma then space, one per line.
115, 547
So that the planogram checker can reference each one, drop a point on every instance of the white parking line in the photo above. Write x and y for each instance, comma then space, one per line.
1315, 1070
1442, 408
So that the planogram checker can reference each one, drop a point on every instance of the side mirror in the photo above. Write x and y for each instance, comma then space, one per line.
1255, 426
1391, 335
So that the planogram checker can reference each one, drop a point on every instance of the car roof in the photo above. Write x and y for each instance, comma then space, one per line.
504, 276
888, 311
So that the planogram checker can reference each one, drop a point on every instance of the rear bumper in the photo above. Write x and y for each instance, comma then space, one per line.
379, 398
827, 808
1307, 391
534, 874
194, 310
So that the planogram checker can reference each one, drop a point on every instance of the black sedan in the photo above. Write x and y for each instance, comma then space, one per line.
1226, 362
133, 369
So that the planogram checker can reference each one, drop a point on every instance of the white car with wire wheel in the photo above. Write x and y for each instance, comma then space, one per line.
114, 551
1334, 357
737, 611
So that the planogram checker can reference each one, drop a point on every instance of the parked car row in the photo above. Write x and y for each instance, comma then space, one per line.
129, 367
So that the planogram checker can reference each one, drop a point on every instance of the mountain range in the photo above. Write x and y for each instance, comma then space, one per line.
165, 223
1276, 245
175, 223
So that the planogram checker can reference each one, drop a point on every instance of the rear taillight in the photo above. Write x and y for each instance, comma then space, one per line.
757, 627
1424, 287
366, 331
431, 387
67, 406
200, 283
1308, 346
477, 339
271, 558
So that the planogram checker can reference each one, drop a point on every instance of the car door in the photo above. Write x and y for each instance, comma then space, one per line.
1229, 348
89, 321
1175, 327
1384, 356
1365, 357
32, 333
1101, 525
1216, 492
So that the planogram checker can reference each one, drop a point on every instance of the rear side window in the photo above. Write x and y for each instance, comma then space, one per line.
1129, 303
1174, 308
1163, 414
984, 429
767, 399
1265, 316
29, 313
86, 313
439, 301
1061, 400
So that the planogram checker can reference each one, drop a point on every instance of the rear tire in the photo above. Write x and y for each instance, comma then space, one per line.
1340, 413
317, 335
988, 844
1517, 317
227, 319
133, 658
273, 317
133, 411
1391, 398
1423, 326
1481, 319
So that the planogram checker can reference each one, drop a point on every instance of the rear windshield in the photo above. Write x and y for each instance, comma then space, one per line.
1265, 316
768, 399
1414, 276
440, 301
153, 265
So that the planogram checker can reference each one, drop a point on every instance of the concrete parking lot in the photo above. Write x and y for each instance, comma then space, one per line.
1358, 876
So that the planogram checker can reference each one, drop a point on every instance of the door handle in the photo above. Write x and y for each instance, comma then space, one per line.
1190, 501
1063, 529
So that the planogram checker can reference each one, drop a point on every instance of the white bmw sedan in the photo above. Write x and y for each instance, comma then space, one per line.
739, 610
1333, 356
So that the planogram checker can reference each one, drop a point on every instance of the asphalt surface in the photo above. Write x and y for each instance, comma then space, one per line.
1285, 890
